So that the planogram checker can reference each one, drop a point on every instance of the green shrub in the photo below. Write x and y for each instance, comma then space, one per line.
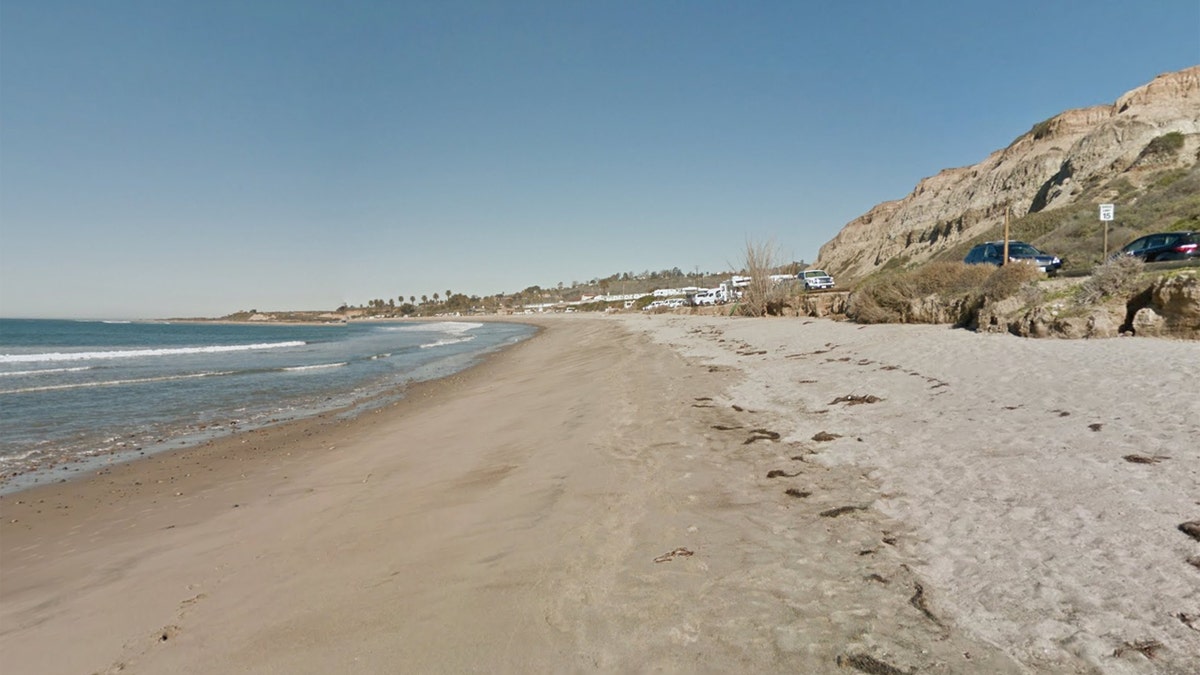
1184, 224
1167, 144
1168, 178
895, 263
641, 302
1041, 129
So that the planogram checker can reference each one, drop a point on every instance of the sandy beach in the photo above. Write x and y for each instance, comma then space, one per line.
655, 494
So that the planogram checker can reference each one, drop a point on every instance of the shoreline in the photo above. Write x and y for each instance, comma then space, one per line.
70, 465
639, 493
288, 431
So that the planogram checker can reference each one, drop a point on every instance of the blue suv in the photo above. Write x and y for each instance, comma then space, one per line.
992, 253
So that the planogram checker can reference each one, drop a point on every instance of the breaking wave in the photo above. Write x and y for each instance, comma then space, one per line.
452, 327
319, 366
45, 371
113, 383
136, 353
448, 341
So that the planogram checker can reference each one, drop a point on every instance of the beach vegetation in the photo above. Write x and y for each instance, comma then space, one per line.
641, 302
1117, 276
1008, 281
940, 292
761, 297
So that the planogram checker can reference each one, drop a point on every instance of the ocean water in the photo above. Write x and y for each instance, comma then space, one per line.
75, 395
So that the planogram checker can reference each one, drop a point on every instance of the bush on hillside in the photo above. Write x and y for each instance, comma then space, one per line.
1008, 281
936, 292
1167, 144
1116, 276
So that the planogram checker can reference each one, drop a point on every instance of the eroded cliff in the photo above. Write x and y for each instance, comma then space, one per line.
1059, 162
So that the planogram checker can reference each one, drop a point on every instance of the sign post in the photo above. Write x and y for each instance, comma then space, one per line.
1106, 216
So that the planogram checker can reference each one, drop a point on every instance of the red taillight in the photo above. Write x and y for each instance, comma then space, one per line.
1185, 248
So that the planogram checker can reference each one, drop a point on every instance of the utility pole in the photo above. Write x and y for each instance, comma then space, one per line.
1007, 210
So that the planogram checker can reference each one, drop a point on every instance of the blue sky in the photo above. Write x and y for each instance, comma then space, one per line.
180, 158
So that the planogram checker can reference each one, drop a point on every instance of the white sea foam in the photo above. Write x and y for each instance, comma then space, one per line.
114, 383
319, 366
21, 456
452, 327
135, 353
45, 371
448, 341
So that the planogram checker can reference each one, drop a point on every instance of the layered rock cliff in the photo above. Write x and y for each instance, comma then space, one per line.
1058, 162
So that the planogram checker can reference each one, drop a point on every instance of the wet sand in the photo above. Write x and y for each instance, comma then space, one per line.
632, 494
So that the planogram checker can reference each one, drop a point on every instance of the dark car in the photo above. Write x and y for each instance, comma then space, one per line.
992, 253
1165, 246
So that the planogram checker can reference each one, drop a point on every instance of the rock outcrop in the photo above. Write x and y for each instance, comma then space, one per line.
1046, 168
829, 304
1170, 307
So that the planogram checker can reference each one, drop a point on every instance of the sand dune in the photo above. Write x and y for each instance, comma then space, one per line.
631, 494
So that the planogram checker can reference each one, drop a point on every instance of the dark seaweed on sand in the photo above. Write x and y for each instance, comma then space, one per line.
841, 510
854, 399
864, 663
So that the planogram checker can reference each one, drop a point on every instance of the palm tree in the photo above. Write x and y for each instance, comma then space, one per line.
435, 298
412, 299
424, 299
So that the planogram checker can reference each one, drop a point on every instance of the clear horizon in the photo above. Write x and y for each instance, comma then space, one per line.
164, 159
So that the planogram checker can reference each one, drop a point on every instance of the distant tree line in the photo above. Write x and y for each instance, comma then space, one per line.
622, 283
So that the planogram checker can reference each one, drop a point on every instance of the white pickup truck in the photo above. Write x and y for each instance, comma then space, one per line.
816, 280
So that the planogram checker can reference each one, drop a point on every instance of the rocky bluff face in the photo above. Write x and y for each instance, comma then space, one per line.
1046, 168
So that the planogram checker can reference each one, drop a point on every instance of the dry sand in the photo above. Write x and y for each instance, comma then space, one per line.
637, 494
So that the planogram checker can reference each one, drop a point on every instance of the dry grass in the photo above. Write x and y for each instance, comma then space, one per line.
1009, 280
761, 297
1116, 276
